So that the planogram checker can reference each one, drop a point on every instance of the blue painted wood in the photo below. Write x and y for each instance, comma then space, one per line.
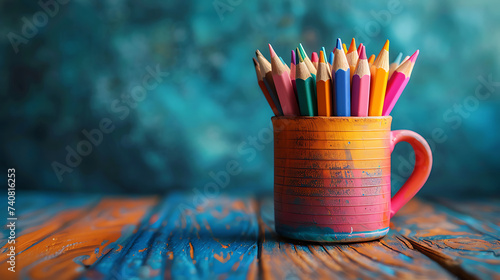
455, 240
34, 209
392, 257
185, 240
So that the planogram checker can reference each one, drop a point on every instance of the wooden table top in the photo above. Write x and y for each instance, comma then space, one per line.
63, 236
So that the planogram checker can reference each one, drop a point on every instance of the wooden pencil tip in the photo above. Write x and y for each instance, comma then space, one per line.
352, 47
321, 57
257, 53
293, 58
414, 56
386, 45
362, 52
255, 63
314, 57
398, 58
271, 51
339, 44
299, 55
301, 50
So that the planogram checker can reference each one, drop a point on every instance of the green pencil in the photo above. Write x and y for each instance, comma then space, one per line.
306, 88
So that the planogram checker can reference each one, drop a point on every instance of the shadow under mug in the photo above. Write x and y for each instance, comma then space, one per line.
332, 176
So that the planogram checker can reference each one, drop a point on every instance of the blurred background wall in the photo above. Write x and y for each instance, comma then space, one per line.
157, 95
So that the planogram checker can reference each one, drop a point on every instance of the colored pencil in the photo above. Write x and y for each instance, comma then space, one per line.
344, 48
264, 88
371, 59
395, 64
284, 86
404, 60
378, 84
284, 64
330, 60
361, 86
292, 72
266, 70
359, 49
341, 74
306, 91
314, 59
397, 83
323, 87
307, 61
352, 57
326, 62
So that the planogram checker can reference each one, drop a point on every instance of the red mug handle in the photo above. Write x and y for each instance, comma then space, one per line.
421, 171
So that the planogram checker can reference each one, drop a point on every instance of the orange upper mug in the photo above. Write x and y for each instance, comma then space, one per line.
332, 176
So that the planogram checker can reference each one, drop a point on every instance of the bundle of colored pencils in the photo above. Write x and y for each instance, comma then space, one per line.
347, 83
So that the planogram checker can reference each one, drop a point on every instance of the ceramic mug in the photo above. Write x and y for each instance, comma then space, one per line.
332, 176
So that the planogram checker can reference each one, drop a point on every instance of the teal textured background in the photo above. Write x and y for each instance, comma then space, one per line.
80, 66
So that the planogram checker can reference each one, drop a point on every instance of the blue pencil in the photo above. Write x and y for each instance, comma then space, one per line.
342, 86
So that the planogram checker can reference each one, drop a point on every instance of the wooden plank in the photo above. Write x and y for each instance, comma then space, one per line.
73, 239
482, 214
450, 240
211, 239
391, 258
33, 209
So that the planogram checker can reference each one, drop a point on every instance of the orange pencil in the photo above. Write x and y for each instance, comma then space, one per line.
284, 87
266, 70
379, 72
323, 87
371, 59
264, 89
352, 57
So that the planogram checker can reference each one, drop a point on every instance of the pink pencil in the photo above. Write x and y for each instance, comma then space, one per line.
359, 49
360, 94
284, 87
397, 83
315, 59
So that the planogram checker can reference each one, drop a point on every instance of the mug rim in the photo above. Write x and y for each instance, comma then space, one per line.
331, 118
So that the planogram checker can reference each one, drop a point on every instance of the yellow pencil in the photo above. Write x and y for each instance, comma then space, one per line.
380, 73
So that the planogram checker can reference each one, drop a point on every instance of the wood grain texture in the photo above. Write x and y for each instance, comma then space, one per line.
186, 239
70, 240
64, 236
454, 240
391, 258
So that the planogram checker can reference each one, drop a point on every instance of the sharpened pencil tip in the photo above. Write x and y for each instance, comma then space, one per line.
414, 56
386, 45
314, 57
255, 63
321, 57
339, 44
398, 58
330, 58
352, 47
257, 53
299, 55
271, 51
301, 50
362, 52
293, 58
